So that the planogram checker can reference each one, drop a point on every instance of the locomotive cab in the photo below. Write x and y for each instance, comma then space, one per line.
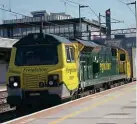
40, 67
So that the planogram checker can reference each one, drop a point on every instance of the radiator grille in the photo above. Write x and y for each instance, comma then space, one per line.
32, 81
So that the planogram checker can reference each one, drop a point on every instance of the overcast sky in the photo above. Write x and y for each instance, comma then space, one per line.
119, 10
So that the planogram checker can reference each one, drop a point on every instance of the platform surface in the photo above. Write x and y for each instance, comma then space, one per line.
115, 106
2, 87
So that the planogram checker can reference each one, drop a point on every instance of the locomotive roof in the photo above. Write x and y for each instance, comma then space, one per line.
41, 38
60, 39
116, 47
87, 43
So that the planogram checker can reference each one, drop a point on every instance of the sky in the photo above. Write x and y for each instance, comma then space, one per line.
119, 10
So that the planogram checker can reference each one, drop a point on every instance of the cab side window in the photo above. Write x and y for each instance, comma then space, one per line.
70, 54
68, 57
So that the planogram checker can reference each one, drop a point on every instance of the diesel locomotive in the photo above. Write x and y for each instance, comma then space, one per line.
48, 68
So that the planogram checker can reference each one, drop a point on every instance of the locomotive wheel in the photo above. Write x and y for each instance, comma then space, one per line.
93, 91
75, 95
106, 86
97, 90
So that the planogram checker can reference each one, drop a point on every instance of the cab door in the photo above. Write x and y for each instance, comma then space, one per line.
71, 68
122, 63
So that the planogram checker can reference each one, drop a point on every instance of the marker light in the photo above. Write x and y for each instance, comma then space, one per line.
55, 77
11, 79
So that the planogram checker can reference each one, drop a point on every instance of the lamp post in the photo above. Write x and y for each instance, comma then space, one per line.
9, 5
80, 6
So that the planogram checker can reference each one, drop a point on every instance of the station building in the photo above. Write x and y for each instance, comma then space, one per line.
55, 23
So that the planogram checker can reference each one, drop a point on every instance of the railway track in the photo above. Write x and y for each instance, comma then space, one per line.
13, 114
7, 113
5, 109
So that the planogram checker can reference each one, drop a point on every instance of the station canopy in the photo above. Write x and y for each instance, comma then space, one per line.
7, 43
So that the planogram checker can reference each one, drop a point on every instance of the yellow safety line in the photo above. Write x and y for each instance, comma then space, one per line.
90, 107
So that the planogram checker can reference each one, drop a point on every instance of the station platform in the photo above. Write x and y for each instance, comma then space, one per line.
114, 106
2, 87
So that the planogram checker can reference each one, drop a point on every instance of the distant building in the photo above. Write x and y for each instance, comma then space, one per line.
55, 23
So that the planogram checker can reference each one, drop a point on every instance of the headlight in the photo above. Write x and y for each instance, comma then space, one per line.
53, 80
15, 84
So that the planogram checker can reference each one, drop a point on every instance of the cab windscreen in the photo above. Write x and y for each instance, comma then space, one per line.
36, 55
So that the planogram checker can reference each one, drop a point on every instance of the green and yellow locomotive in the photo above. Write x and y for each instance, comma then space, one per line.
48, 68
